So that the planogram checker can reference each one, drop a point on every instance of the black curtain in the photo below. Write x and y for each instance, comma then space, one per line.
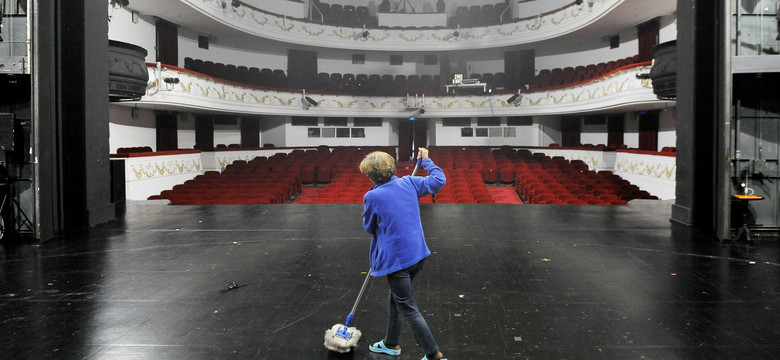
250, 132
615, 131
648, 131
519, 67
301, 69
648, 37
444, 72
570, 131
204, 133
167, 129
167, 42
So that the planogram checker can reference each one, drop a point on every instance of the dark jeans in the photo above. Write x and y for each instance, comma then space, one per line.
401, 306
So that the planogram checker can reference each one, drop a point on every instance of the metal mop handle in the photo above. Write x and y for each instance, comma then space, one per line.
360, 294
416, 166
357, 301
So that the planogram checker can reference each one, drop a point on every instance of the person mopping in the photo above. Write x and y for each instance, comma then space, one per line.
398, 250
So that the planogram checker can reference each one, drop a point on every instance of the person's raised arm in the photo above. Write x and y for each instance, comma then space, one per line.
435, 180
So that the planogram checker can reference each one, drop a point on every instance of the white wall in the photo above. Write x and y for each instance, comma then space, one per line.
124, 131
482, 61
220, 50
549, 130
668, 31
142, 33
594, 134
631, 131
575, 52
451, 135
375, 64
375, 135
273, 130
186, 131
227, 134
282, 7
525, 9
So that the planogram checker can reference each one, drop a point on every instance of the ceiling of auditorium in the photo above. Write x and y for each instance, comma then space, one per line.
627, 15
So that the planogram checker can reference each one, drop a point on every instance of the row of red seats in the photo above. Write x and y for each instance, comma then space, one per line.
537, 178
342, 15
464, 186
568, 76
556, 180
276, 78
476, 15
260, 181
134, 149
388, 85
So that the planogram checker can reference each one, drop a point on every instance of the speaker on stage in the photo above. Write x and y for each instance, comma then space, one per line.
22, 142
118, 192
16, 89
6, 132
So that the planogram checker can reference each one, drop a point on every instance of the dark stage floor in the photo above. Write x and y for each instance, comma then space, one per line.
504, 282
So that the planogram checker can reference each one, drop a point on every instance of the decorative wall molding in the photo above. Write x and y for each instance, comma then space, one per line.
596, 160
623, 86
281, 28
148, 175
197, 92
656, 174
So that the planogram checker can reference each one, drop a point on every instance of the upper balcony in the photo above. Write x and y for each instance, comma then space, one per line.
589, 19
178, 89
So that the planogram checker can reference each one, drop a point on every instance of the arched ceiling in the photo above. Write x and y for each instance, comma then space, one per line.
198, 16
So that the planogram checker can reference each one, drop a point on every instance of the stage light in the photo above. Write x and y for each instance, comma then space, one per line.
171, 80
515, 99
453, 35
362, 35
416, 114
236, 3
307, 102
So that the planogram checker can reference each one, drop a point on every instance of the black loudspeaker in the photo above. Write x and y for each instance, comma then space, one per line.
6, 132
22, 142
16, 89
118, 193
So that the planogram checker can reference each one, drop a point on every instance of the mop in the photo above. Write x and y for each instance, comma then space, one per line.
342, 337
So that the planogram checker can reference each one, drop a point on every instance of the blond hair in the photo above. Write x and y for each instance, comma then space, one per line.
379, 166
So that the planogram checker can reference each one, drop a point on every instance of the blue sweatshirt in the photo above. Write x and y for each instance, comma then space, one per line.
392, 215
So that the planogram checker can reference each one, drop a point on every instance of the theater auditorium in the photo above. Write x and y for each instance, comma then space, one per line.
180, 179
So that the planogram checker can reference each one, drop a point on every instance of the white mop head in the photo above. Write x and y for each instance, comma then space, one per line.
338, 343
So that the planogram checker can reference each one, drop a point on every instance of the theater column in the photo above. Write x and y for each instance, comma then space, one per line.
82, 90
700, 86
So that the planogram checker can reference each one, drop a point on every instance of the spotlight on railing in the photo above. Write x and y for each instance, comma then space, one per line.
307, 102
416, 114
515, 99
361, 35
171, 80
